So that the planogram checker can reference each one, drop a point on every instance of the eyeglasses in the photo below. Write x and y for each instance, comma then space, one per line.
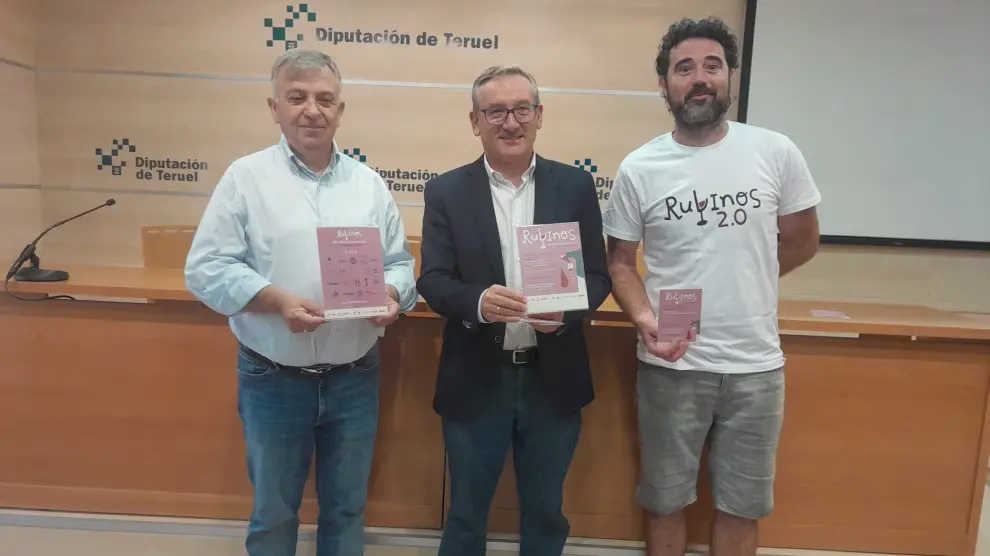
497, 116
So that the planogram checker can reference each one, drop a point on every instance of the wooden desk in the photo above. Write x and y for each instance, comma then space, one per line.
131, 408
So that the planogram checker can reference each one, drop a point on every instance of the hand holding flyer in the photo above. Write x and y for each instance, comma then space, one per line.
353, 273
552, 266
679, 316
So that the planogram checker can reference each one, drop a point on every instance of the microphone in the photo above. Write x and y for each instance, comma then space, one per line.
35, 273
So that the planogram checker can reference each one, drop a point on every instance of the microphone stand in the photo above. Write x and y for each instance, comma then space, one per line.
34, 272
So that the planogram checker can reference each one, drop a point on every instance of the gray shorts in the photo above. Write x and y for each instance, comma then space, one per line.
741, 415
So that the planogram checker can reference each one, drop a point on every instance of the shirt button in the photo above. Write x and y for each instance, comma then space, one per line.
498, 339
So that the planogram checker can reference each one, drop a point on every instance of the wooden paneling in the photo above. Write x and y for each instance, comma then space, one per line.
907, 405
160, 118
18, 127
412, 218
406, 488
19, 27
598, 44
960, 282
112, 235
884, 446
949, 280
412, 129
166, 246
168, 118
864, 420
795, 316
157, 432
20, 222
20, 200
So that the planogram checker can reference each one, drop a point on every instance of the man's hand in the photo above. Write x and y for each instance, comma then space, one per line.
500, 304
649, 329
547, 328
300, 314
393, 309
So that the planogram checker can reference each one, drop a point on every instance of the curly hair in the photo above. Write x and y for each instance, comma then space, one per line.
709, 28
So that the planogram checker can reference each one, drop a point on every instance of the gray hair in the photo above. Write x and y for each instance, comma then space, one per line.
495, 72
304, 60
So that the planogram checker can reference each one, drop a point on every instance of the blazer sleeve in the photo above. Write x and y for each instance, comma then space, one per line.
597, 277
439, 281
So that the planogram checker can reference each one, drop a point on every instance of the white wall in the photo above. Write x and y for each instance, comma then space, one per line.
890, 102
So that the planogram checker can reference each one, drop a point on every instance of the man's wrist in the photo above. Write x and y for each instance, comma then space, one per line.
644, 318
393, 293
481, 312
268, 300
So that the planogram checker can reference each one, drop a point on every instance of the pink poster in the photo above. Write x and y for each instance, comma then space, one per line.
552, 266
679, 315
353, 272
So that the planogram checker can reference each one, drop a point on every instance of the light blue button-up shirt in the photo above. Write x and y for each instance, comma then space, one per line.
259, 228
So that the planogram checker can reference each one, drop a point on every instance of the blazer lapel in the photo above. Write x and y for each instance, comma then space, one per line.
546, 193
484, 209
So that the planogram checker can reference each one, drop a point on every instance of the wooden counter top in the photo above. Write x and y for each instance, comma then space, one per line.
803, 316
113, 281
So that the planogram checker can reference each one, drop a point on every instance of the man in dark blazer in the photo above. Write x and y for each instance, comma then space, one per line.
505, 382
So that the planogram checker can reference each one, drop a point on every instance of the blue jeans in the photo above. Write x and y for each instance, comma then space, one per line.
518, 416
285, 416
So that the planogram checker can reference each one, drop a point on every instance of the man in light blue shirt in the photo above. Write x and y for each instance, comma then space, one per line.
304, 383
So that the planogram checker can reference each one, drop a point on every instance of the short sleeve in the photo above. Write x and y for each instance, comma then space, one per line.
623, 216
798, 190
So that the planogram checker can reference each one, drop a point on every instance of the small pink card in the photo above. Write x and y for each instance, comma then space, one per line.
552, 267
353, 272
679, 315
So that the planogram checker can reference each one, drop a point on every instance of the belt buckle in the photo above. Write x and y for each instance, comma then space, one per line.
313, 371
515, 352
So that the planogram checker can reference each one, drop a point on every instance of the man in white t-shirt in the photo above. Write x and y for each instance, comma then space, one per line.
708, 201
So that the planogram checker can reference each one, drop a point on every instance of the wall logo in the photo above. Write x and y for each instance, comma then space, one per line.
399, 180
279, 33
300, 22
112, 160
602, 183
147, 168
355, 154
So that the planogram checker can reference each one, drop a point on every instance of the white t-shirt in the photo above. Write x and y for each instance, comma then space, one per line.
708, 219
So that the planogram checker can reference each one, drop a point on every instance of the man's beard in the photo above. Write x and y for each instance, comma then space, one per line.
693, 116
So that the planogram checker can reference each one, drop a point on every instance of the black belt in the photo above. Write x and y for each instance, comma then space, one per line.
527, 356
309, 370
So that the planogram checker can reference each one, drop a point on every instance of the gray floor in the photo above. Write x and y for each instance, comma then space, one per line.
25, 539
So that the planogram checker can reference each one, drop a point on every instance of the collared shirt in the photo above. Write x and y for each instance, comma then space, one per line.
259, 228
513, 207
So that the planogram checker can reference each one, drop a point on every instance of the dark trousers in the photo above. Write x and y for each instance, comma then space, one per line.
542, 441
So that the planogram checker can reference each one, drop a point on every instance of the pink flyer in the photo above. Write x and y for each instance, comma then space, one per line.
353, 272
679, 315
552, 265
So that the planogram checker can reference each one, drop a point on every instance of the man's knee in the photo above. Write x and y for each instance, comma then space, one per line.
754, 504
343, 501
729, 519
547, 522
660, 502
744, 493
274, 513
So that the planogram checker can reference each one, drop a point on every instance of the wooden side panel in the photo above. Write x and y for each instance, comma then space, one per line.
136, 412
